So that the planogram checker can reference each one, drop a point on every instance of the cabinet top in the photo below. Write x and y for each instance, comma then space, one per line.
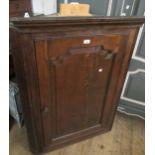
85, 20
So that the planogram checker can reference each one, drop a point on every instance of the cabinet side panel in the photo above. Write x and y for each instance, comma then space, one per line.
19, 69
26, 73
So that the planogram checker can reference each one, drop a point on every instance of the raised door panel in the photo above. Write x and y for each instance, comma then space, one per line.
75, 78
81, 81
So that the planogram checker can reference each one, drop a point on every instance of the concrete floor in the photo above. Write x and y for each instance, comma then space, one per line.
126, 138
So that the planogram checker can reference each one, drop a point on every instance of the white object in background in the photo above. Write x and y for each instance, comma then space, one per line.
49, 7
37, 6
65, 1
74, 2
127, 7
123, 14
26, 15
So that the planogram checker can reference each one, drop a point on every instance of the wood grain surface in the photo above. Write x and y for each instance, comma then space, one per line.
65, 96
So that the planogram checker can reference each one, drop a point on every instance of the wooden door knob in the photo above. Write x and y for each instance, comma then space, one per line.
45, 110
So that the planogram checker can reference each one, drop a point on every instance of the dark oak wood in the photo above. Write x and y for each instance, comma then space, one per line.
16, 8
19, 7
70, 90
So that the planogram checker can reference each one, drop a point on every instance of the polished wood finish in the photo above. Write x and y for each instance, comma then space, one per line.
16, 8
19, 7
70, 73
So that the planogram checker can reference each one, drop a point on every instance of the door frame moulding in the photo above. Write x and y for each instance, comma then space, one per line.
125, 83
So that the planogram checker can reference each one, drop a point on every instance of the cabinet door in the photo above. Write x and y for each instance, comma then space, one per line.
78, 76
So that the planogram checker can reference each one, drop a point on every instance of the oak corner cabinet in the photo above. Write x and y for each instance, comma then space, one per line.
70, 72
